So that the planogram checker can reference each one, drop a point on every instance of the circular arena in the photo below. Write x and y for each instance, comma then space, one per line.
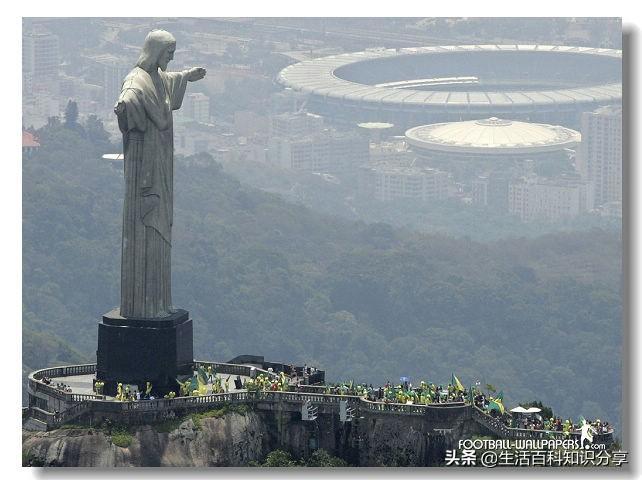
474, 147
416, 86
491, 136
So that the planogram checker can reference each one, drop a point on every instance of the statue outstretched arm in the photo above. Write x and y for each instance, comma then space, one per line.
195, 74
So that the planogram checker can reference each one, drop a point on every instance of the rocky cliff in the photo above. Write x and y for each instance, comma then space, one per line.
233, 440
238, 437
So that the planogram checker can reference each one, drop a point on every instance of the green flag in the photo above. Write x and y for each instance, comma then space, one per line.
456, 383
202, 376
193, 384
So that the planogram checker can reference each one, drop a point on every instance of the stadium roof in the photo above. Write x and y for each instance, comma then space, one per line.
492, 136
318, 77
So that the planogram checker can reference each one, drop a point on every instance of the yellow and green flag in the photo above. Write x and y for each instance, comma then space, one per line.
456, 383
496, 404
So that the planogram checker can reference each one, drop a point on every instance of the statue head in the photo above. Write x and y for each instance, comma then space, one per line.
158, 50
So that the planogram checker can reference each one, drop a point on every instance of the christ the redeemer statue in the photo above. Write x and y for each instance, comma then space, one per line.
144, 109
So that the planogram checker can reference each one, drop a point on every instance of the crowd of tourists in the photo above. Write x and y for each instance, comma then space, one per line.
203, 384
268, 383
99, 386
306, 373
206, 381
63, 387
404, 392
126, 394
492, 404
554, 424
59, 385
533, 420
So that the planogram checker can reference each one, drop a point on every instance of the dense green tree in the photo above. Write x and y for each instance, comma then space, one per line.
71, 114
318, 458
53, 122
96, 133
279, 458
321, 458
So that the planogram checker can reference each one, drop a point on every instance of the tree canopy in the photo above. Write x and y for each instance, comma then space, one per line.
538, 318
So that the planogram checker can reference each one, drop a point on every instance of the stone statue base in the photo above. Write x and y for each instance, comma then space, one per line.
139, 350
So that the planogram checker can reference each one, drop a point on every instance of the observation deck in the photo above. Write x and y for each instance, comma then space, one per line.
50, 407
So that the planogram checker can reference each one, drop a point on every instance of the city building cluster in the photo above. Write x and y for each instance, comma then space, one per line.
357, 124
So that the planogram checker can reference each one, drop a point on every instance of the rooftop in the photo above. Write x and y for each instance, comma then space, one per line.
610, 110
318, 77
492, 136
29, 140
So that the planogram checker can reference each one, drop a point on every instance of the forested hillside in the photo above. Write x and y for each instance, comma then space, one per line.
449, 216
539, 318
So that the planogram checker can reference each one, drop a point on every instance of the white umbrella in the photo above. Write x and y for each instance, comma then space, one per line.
518, 409
534, 410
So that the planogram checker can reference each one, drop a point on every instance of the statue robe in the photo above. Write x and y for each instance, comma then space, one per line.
148, 145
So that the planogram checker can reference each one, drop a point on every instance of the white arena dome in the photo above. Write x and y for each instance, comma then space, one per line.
491, 136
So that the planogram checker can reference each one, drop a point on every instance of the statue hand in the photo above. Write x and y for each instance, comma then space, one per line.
195, 74
119, 108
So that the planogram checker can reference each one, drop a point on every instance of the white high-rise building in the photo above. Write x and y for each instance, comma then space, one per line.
197, 107
295, 125
326, 152
532, 197
391, 151
395, 180
40, 57
114, 72
600, 157
479, 190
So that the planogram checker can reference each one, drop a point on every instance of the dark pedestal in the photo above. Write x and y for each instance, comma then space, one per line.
139, 350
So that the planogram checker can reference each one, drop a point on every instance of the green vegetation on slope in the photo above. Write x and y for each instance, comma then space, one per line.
318, 458
539, 318
198, 418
